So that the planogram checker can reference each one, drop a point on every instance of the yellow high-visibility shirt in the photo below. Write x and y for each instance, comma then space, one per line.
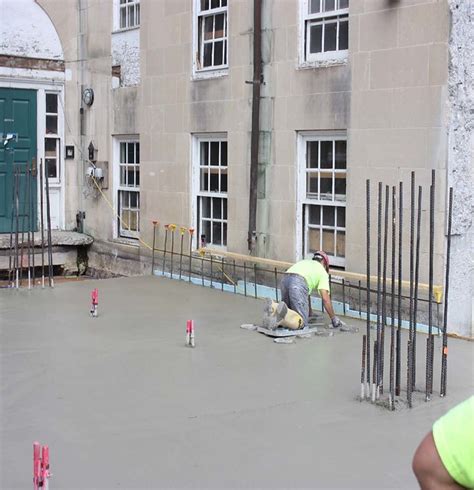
453, 435
313, 272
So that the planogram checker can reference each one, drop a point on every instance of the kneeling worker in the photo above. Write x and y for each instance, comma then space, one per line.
298, 282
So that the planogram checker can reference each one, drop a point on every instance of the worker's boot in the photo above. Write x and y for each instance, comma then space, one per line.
288, 318
279, 315
269, 310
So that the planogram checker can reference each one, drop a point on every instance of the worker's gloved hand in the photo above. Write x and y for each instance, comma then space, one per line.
336, 323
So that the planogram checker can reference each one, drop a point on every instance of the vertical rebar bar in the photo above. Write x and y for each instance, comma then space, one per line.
164, 249
28, 229
223, 273
153, 250
191, 232
255, 278
398, 357
444, 352
23, 221
48, 222
33, 222
392, 302
427, 369
245, 279
430, 281
379, 277
172, 227
42, 221
343, 297
362, 370
412, 256
368, 281
17, 218
384, 286
235, 276
417, 278
182, 230
374, 373
360, 298
211, 268
438, 321
202, 267
409, 375
276, 284
432, 338
10, 255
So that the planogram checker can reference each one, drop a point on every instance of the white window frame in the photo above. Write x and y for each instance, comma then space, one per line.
307, 59
119, 232
54, 136
117, 12
200, 72
303, 200
196, 192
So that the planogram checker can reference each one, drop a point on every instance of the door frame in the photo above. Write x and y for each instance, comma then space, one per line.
52, 82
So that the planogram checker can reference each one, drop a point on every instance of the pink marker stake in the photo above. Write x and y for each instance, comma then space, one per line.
95, 302
190, 333
189, 326
45, 474
36, 465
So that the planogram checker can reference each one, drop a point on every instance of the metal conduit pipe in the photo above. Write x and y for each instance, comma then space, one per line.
255, 137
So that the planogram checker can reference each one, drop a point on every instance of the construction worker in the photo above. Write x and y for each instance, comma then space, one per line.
444, 460
297, 284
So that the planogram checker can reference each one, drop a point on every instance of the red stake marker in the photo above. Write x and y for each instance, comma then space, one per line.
190, 333
95, 302
36, 465
45, 474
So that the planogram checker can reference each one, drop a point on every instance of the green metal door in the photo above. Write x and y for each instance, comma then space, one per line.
17, 118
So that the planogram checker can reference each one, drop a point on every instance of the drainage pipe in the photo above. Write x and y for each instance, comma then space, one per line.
255, 137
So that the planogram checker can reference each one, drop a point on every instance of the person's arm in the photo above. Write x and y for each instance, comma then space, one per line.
336, 323
429, 469
327, 303
310, 309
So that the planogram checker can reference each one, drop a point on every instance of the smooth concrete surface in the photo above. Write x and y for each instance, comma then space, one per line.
122, 402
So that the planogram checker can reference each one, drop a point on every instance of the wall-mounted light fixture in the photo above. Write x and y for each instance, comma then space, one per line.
88, 96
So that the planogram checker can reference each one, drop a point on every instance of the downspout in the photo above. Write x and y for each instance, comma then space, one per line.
82, 129
255, 137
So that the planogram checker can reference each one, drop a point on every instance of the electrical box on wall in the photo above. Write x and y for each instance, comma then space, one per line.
102, 173
69, 151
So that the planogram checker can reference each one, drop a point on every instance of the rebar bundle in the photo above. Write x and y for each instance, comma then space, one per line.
23, 224
390, 296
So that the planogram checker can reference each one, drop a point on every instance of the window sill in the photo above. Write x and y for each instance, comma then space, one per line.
214, 250
323, 63
125, 29
129, 242
209, 74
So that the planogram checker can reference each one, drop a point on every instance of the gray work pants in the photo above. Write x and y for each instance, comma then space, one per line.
294, 292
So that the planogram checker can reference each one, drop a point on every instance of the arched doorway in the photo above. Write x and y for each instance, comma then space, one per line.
31, 111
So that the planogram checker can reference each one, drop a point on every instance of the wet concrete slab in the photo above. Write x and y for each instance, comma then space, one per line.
122, 402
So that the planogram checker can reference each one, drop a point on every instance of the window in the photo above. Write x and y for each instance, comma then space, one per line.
210, 171
326, 30
129, 14
128, 195
211, 35
323, 201
51, 139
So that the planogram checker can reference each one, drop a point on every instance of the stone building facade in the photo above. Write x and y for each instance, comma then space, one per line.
350, 90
